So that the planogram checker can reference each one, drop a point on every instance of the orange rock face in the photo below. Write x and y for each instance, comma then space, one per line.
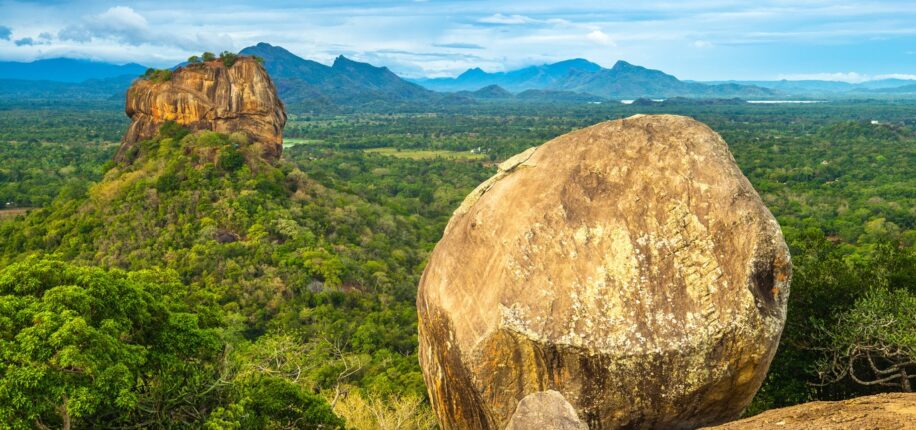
209, 96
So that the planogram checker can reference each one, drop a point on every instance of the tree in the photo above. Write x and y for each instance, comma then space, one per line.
80, 346
193, 59
270, 402
228, 58
208, 56
874, 344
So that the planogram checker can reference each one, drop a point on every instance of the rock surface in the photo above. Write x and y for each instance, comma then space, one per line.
545, 410
629, 267
883, 411
209, 96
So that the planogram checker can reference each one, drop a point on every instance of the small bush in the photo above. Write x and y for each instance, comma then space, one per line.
193, 59
231, 160
228, 58
174, 130
158, 75
208, 56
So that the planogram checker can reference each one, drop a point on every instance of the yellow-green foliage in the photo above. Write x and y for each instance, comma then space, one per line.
371, 412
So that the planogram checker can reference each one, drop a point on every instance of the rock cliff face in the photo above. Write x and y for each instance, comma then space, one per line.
209, 96
625, 275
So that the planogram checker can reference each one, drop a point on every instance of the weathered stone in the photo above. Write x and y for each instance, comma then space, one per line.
545, 410
628, 266
209, 96
882, 411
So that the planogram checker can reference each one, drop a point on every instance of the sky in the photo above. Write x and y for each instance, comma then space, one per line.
851, 41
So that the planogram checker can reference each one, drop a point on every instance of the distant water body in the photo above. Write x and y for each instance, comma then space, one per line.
800, 102
627, 102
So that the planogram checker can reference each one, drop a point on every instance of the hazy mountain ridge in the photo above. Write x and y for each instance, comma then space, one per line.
346, 82
531, 77
66, 70
622, 81
820, 87
309, 86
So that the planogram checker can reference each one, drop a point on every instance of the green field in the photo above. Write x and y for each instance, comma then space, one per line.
420, 154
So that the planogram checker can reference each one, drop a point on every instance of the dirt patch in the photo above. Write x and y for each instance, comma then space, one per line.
6, 214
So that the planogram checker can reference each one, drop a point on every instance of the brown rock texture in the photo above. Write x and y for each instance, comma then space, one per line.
895, 411
209, 96
629, 267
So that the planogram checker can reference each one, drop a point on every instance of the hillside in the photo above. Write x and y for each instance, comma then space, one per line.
308, 85
224, 285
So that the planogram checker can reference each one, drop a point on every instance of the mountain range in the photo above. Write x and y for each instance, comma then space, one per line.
622, 81
66, 70
310, 86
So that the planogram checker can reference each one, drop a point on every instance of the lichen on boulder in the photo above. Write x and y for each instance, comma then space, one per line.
209, 96
628, 267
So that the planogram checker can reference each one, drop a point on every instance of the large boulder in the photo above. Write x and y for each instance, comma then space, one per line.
627, 269
209, 96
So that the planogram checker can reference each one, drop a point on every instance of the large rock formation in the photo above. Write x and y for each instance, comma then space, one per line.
896, 411
627, 270
209, 96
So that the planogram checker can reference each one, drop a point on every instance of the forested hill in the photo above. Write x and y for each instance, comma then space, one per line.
289, 279
305, 84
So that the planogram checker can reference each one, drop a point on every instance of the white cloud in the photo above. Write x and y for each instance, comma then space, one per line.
121, 19
122, 24
702, 44
458, 45
600, 37
506, 19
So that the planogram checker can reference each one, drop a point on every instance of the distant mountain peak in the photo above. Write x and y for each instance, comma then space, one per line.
623, 65
342, 61
472, 73
576, 63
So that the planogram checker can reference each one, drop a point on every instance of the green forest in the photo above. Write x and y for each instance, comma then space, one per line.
199, 286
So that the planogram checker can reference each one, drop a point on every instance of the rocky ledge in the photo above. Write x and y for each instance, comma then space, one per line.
895, 411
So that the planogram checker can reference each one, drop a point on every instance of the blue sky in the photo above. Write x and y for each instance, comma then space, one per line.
701, 40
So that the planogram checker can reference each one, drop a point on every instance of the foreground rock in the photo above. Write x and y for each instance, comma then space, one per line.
209, 96
883, 411
627, 270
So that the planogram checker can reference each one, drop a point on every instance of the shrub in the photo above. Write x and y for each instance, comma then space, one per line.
158, 75
173, 130
228, 58
231, 160
208, 56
